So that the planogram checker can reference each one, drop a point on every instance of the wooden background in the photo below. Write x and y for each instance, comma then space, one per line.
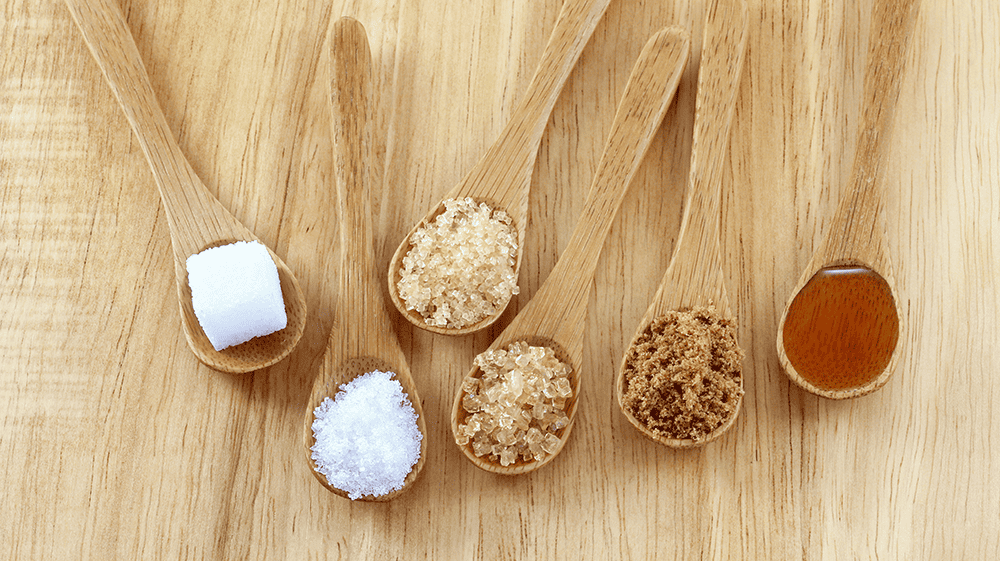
116, 443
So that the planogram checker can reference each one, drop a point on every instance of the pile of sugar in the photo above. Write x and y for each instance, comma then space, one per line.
236, 293
367, 438
460, 267
516, 405
682, 375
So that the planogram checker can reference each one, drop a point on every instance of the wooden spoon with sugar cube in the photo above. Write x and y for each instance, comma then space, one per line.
694, 276
502, 178
196, 219
556, 314
362, 339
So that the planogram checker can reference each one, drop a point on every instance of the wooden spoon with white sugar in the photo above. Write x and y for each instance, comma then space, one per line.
196, 219
556, 314
362, 339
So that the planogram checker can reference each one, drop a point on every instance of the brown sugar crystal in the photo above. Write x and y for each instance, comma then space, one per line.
683, 374
517, 406
460, 267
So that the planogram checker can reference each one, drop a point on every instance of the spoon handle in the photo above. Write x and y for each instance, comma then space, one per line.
695, 270
517, 146
365, 327
194, 215
558, 310
857, 231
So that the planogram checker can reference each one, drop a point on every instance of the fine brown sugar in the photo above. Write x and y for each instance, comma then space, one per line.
683, 374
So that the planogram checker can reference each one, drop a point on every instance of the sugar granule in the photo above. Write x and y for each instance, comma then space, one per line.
367, 438
517, 404
682, 375
236, 293
459, 269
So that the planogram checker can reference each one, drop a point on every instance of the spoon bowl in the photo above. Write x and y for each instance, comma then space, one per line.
502, 178
838, 335
556, 314
362, 339
196, 219
695, 276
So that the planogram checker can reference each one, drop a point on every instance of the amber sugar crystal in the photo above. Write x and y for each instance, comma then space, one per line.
842, 328
517, 405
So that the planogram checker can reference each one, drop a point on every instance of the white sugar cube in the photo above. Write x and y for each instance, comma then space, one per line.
236, 293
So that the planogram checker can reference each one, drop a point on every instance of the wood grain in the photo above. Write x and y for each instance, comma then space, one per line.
117, 443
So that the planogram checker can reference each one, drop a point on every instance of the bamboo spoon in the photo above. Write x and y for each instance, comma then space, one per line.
196, 219
694, 276
502, 178
362, 339
838, 336
555, 315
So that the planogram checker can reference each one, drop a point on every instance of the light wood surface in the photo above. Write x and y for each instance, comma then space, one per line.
116, 442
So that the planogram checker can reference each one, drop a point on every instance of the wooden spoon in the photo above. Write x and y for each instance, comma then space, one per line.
694, 276
362, 339
556, 314
502, 178
196, 219
838, 336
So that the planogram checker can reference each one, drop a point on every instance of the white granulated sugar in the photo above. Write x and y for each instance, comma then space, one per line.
367, 439
236, 293
460, 267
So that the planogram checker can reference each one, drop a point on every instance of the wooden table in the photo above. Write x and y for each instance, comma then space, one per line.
115, 442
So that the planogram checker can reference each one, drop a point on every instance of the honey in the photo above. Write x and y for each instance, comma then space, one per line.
842, 328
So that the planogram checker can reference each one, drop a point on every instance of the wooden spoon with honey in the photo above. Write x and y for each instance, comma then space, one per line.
556, 314
196, 219
838, 336
362, 338
502, 178
694, 276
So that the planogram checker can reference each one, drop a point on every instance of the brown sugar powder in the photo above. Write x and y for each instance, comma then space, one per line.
683, 374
